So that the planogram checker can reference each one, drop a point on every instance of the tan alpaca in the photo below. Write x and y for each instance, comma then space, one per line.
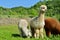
37, 23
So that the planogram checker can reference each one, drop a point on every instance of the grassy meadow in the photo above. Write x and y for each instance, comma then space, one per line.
11, 32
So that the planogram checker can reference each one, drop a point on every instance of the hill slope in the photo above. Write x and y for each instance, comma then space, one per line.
53, 9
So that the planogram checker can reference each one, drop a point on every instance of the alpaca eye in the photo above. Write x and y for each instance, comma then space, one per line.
43, 7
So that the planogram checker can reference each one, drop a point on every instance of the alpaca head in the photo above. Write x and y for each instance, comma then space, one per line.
43, 8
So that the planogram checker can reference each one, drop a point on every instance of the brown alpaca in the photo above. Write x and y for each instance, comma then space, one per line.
52, 26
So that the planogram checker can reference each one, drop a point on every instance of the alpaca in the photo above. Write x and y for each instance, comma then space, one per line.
37, 23
22, 26
52, 26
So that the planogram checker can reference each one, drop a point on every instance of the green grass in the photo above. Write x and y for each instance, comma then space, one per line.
11, 32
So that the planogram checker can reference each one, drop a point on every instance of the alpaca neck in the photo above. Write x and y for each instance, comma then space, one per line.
41, 16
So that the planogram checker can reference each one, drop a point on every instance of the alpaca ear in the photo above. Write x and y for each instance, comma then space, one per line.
46, 8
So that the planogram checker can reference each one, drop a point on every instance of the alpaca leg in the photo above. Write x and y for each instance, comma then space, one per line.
41, 32
48, 33
32, 31
36, 35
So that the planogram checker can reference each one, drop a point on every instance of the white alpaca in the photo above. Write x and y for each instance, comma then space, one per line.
22, 25
38, 22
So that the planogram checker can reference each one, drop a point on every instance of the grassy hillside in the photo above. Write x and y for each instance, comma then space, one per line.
53, 10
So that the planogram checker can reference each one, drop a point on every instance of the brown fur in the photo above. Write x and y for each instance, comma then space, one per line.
52, 26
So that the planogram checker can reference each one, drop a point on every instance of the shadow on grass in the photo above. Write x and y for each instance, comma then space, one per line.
17, 35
